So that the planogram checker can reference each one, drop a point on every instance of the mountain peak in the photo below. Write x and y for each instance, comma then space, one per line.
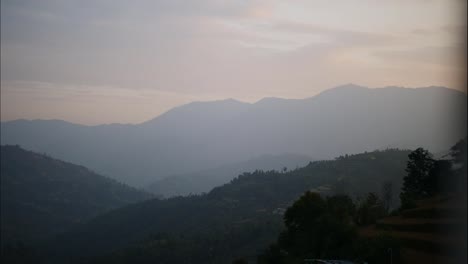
345, 88
202, 108
227, 100
269, 100
349, 86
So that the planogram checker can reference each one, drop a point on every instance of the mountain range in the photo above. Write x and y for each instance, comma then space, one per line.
204, 135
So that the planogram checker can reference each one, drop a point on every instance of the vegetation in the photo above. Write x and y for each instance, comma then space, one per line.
427, 177
369, 210
326, 228
327, 203
237, 220
318, 227
41, 196
418, 182
459, 159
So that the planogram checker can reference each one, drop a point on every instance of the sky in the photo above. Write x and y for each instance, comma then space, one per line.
115, 61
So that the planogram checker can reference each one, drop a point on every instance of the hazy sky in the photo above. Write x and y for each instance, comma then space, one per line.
105, 61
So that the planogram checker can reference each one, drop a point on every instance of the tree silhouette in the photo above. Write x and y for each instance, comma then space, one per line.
370, 210
417, 182
318, 227
458, 152
459, 159
322, 228
387, 195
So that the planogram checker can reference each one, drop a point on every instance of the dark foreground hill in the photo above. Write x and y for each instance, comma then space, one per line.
42, 196
238, 219
204, 135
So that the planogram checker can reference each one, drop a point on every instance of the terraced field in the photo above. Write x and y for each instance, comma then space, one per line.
433, 232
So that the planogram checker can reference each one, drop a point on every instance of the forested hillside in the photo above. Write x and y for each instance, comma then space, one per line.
42, 196
238, 219
331, 225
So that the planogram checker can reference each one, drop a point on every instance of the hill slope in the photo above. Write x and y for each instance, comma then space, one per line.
236, 219
204, 181
199, 136
41, 196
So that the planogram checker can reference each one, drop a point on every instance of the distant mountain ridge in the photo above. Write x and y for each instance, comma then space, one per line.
204, 135
42, 196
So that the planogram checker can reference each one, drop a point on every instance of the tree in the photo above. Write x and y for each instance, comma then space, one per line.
458, 153
370, 210
318, 228
341, 207
441, 178
304, 211
387, 195
416, 184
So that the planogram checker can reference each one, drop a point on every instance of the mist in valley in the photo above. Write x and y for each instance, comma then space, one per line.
233, 132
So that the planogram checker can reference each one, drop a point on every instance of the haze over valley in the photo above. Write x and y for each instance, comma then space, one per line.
206, 135
233, 132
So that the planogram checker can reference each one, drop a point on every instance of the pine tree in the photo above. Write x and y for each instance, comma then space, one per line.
416, 183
